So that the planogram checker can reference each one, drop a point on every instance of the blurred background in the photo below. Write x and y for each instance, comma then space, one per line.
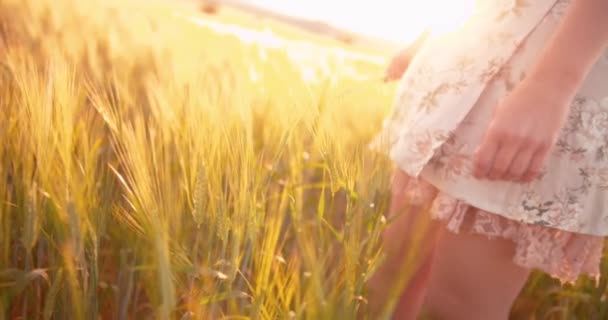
396, 22
207, 159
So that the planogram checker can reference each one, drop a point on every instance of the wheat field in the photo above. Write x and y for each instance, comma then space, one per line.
156, 163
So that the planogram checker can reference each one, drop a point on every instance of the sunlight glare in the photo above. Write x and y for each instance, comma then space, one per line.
398, 21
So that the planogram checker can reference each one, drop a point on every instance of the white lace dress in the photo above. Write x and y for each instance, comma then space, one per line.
444, 104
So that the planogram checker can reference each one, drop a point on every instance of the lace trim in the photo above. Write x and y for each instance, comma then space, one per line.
561, 254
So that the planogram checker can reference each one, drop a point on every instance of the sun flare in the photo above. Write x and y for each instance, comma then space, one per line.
398, 21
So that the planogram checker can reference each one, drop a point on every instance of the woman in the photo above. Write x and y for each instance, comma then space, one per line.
500, 130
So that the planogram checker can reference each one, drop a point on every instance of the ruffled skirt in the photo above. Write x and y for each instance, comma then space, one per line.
443, 108
561, 254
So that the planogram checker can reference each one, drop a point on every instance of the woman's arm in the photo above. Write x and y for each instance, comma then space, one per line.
577, 44
402, 59
527, 123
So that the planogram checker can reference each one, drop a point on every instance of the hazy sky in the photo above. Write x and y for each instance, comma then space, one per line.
396, 20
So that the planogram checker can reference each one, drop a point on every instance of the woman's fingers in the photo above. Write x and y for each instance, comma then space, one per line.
519, 165
511, 163
394, 74
484, 156
535, 167
390, 75
398, 66
502, 161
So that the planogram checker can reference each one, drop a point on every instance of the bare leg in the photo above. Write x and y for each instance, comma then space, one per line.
411, 300
474, 278
408, 242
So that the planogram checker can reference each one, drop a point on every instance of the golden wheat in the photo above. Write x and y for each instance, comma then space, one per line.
152, 165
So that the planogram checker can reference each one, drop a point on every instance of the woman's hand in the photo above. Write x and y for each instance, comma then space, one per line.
401, 60
526, 125
399, 64
523, 131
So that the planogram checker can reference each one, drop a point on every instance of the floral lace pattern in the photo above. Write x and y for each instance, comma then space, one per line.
563, 255
445, 104
436, 81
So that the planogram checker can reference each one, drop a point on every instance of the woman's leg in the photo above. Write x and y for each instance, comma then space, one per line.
411, 231
474, 278
412, 298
